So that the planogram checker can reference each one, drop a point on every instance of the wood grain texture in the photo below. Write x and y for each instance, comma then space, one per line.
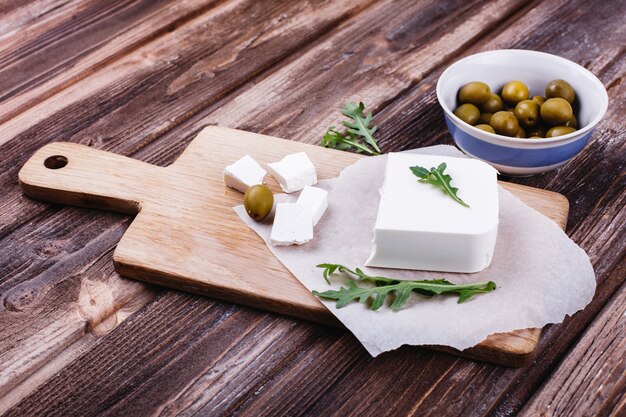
591, 381
184, 212
418, 122
29, 276
179, 237
73, 38
82, 294
310, 369
130, 139
118, 107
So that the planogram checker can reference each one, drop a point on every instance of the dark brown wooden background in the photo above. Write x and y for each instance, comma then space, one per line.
141, 77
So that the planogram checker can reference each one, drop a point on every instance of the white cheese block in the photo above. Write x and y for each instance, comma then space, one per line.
420, 227
316, 199
243, 174
293, 225
294, 172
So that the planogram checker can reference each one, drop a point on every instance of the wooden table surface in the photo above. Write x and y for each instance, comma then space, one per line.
142, 77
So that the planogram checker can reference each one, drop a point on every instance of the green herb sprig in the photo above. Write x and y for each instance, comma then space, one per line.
358, 136
400, 290
437, 177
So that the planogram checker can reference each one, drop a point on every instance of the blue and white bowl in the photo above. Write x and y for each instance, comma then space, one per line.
516, 156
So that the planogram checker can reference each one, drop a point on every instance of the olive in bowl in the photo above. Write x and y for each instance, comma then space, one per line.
522, 156
555, 111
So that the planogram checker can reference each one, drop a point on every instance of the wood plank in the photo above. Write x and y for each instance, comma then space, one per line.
288, 110
593, 375
76, 39
58, 307
168, 242
176, 74
15, 16
212, 330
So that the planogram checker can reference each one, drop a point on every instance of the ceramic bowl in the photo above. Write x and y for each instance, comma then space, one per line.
514, 156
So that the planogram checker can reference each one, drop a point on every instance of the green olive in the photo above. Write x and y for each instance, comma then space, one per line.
258, 201
556, 111
493, 105
535, 137
527, 112
539, 99
514, 92
572, 122
559, 131
485, 118
468, 113
504, 123
520, 133
562, 89
486, 128
476, 93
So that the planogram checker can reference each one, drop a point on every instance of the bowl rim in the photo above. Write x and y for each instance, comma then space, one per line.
564, 138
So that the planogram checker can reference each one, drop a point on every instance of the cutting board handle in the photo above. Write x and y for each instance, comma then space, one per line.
69, 173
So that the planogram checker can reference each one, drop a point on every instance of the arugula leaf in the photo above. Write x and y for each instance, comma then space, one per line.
358, 135
360, 124
334, 139
399, 289
436, 176
330, 269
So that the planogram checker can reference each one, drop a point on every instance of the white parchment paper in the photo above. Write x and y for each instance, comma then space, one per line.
541, 275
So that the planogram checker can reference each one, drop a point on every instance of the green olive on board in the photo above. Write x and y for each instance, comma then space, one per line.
556, 111
521, 133
514, 92
485, 118
559, 131
562, 89
572, 122
539, 99
527, 112
258, 201
504, 123
485, 127
476, 93
467, 112
493, 104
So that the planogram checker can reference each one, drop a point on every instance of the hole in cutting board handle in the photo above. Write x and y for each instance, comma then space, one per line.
55, 162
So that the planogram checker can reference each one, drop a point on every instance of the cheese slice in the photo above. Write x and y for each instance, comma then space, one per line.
294, 172
243, 174
293, 225
419, 226
316, 199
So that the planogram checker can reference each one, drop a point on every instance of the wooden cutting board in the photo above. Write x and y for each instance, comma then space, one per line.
187, 236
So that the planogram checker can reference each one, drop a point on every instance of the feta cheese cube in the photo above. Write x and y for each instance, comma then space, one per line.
244, 173
293, 225
419, 226
294, 172
316, 199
